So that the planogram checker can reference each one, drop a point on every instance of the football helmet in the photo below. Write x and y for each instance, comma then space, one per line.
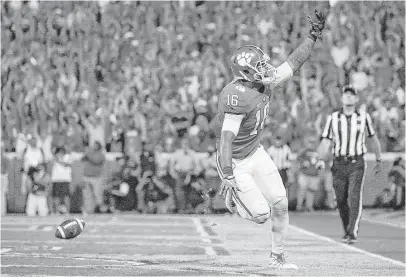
250, 63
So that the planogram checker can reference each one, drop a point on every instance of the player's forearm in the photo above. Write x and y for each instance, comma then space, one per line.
376, 147
226, 152
300, 54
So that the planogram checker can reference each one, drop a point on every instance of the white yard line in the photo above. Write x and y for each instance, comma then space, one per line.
5, 250
204, 236
8, 275
33, 226
349, 247
397, 225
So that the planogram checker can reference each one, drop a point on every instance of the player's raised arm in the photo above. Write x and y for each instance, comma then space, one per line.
302, 52
229, 130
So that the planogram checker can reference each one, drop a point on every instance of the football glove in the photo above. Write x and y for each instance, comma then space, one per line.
320, 164
228, 182
317, 26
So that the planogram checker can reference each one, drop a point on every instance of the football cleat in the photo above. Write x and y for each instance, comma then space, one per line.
351, 239
345, 238
278, 261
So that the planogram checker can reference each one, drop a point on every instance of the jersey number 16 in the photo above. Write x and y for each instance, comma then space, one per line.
260, 117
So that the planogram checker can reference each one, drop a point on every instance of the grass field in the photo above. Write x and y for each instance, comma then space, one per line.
223, 245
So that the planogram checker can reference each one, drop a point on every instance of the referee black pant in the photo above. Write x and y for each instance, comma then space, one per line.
348, 177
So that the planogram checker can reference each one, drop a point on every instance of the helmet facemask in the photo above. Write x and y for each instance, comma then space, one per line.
265, 72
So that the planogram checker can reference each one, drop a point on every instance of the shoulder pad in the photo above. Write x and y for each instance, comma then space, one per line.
235, 99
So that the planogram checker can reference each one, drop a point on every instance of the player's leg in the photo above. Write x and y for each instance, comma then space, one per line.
301, 191
42, 205
312, 188
249, 201
340, 184
270, 183
356, 180
30, 207
328, 186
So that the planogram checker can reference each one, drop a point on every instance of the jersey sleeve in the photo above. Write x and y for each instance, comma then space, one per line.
232, 122
370, 126
234, 101
282, 73
328, 129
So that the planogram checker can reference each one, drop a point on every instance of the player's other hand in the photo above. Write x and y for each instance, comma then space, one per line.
229, 182
317, 26
320, 164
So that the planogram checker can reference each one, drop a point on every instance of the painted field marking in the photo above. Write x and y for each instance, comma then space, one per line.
349, 247
48, 228
384, 223
8, 275
5, 250
30, 226
204, 236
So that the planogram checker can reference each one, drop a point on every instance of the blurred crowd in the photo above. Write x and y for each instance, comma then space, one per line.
128, 76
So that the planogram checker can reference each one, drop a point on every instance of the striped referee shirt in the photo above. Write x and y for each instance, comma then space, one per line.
348, 132
281, 156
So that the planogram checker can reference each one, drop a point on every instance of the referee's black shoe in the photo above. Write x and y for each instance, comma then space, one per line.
345, 238
351, 239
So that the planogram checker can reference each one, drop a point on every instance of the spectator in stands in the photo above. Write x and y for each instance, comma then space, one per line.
195, 193
135, 134
200, 135
75, 135
164, 170
93, 189
38, 185
121, 189
5, 167
397, 180
61, 178
183, 164
153, 195
282, 155
95, 127
117, 188
211, 177
116, 140
308, 179
327, 177
32, 156
57, 59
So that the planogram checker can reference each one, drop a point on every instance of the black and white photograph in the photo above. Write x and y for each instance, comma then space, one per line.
202, 138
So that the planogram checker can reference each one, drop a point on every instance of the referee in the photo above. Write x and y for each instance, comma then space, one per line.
347, 128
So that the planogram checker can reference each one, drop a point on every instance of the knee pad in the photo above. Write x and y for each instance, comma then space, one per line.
261, 219
262, 213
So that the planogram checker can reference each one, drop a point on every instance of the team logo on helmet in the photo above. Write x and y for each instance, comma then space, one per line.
244, 58
250, 63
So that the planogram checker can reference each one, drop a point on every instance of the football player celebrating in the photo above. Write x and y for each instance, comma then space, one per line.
251, 183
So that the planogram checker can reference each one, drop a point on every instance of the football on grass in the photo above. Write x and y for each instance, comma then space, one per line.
70, 229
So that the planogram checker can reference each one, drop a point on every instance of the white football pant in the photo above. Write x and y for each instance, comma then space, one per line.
262, 194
